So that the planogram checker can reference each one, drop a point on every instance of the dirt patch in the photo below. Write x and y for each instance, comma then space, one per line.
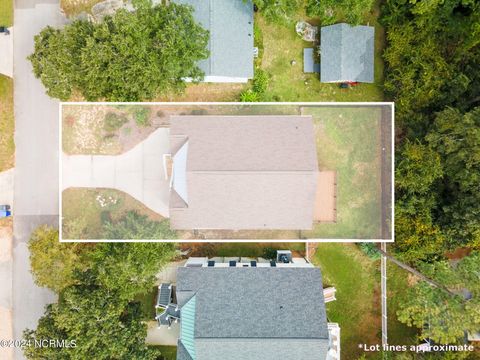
6, 238
458, 253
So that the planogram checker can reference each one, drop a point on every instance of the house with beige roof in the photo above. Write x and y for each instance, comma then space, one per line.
245, 172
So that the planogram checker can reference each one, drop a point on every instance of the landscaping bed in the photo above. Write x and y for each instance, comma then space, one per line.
85, 210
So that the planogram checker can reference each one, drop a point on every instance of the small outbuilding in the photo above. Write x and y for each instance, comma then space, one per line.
347, 53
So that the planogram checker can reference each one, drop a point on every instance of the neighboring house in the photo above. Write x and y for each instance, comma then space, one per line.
347, 53
230, 23
249, 309
243, 172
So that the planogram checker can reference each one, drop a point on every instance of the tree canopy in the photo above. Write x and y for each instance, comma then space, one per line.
97, 286
441, 316
130, 56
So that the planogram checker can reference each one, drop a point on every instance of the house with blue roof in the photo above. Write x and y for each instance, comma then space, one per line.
249, 309
230, 23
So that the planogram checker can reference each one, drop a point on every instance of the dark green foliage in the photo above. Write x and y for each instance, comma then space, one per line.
130, 56
259, 87
114, 121
260, 81
332, 11
278, 11
370, 249
139, 227
98, 286
269, 253
447, 316
431, 57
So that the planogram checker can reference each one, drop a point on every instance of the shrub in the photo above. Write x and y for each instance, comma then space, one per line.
269, 253
142, 116
260, 82
370, 249
114, 121
249, 96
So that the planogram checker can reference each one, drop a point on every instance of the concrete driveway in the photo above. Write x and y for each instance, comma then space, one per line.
36, 161
139, 172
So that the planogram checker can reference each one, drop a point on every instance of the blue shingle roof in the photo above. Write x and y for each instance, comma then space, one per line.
230, 23
347, 53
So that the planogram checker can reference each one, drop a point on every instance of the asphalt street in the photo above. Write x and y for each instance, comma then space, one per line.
36, 168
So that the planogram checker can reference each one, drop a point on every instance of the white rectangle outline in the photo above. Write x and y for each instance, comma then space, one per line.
339, 104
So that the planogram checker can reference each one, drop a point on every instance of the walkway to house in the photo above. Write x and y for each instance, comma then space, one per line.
6, 187
139, 172
162, 335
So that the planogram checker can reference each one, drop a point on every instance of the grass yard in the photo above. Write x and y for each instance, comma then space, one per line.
348, 141
75, 7
83, 215
147, 303
397, 282
168, 352
6, 13
7, 124
357, 308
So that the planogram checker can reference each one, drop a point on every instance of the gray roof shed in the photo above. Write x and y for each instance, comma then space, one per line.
347, 53
269, 312
230, 24
244, 172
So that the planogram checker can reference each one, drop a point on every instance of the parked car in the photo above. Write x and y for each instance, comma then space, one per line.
5, 211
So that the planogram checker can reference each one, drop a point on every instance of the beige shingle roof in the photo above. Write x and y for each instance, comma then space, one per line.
247, 172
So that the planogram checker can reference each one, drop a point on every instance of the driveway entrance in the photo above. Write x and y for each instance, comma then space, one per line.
139, 172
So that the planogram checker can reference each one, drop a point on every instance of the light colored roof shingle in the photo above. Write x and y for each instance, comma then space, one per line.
230, 23
247, 172
347, 53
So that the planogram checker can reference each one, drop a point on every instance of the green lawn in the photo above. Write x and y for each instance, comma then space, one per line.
6, 13
357, 308
7, 123
288, 82
397, 282
168, 352
83, 215
348, 141
147, 303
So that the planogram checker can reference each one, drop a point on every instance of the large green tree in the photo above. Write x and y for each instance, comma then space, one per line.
441, 316
53, 263
130, 56
279, 11
103, 326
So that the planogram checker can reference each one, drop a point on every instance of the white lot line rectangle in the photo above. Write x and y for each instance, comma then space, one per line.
330, 104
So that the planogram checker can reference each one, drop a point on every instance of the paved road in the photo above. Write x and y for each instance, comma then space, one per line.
139, 172
36, 168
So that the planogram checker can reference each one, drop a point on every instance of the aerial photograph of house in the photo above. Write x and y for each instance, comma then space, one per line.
230, 307
226, 171
239, 179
